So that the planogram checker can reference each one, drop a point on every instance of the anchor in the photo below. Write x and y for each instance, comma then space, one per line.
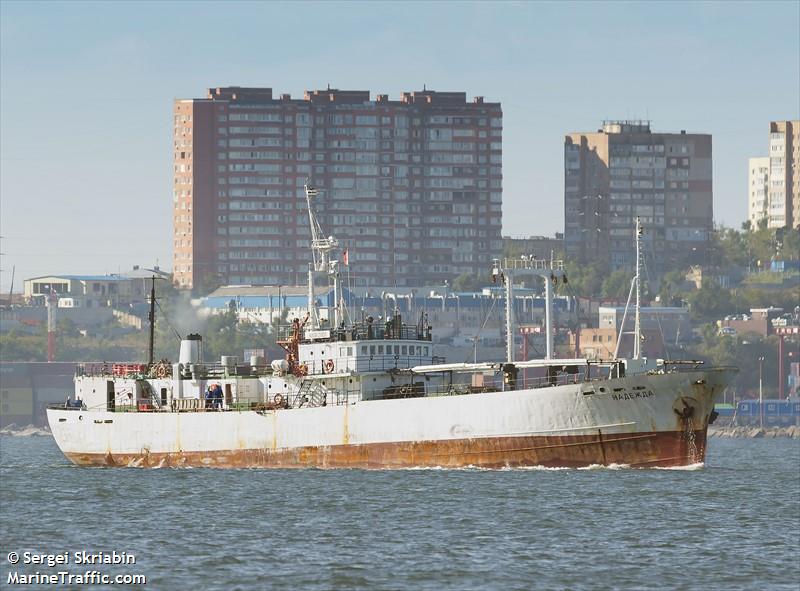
687, 412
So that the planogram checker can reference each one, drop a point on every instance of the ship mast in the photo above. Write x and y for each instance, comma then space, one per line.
152, 318
509, 318
637, 327
322, 248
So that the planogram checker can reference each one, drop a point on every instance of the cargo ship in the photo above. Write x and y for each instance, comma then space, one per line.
371, 394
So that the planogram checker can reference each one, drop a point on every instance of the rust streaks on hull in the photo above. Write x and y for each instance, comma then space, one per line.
663, 449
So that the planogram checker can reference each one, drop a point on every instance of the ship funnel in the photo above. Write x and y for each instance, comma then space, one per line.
191, 350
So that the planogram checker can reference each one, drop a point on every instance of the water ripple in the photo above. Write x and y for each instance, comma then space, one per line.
733, 523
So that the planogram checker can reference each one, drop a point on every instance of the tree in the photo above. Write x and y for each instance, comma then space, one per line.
760, 298
617, 285
586, 280
220, 335
728, 247
671, 292
65, 327
469, 282
22, 347
789, 244
710, 302
754, 246
760, 244
742, 351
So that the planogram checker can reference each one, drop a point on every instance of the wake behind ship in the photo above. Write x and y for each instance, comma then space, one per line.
370, 394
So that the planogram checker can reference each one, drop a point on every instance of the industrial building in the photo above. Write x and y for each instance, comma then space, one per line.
92, 291
662, 329
458, 318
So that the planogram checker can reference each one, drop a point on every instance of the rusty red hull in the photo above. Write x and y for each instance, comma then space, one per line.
641, 450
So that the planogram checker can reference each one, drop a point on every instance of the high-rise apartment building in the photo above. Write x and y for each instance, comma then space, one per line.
773, 181
784, 174
758, 189
412, 188
623, 171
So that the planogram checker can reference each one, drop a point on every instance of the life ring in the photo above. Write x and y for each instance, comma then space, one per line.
278, 399
161, 371
329, 366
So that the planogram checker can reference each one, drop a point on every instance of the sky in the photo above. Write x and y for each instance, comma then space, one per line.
86, 93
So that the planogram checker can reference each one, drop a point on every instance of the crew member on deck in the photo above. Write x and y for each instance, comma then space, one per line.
210, 395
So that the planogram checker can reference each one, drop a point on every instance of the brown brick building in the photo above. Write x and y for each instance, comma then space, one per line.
412, 187
624, 170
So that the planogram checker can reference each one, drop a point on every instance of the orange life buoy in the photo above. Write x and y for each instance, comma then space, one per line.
329, 366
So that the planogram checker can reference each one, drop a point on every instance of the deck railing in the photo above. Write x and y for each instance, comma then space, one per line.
405, 386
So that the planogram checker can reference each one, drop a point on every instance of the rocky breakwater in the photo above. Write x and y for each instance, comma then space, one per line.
27, 431
792, 432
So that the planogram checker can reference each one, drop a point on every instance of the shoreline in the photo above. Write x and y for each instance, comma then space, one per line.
749, 432
13, 430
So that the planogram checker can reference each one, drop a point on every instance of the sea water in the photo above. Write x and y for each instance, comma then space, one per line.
733, 523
